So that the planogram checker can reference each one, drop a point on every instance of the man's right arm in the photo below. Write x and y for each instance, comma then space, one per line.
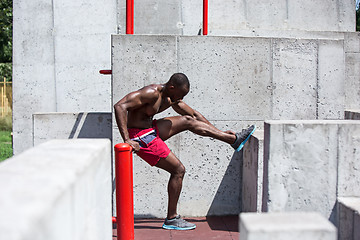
130, 102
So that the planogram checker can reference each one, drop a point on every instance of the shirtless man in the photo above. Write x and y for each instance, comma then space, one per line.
134, 116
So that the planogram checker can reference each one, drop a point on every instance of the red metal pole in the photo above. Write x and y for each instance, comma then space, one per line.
105, 72
124, 191
129, 16
205, 17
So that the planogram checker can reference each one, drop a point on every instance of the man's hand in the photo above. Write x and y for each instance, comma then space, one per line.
135, 145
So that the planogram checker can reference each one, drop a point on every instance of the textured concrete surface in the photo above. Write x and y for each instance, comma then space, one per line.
236, 17
48, 126
252, 174
352, 73
349, 218
59, 47
232, 80
58, 190
324, 151
284, 226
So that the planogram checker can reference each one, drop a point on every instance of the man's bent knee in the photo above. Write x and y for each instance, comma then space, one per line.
179, 171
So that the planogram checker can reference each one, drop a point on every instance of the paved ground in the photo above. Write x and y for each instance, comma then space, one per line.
222, 228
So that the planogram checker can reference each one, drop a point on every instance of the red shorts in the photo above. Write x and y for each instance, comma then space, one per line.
152, 147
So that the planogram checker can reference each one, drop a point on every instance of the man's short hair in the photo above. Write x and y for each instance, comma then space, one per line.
179, 80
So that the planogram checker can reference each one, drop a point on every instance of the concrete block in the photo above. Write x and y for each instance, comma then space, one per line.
252, 173
349, 218
61, 189
237, 73
331, 88
323, 151
352, 114
283, 226
294, 77
48, 126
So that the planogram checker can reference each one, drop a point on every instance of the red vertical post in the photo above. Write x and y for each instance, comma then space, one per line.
129, 16
205, 17
124, 191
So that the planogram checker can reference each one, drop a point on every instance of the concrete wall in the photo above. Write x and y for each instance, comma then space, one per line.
59, 47
308, 164
349, 218
234, 82
239, 17
284, 226
48, 126
58, 190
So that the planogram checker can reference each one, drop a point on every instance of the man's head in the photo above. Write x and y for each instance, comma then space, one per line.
178, 86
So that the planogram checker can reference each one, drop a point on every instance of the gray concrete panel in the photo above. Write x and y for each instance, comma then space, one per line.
157, 17
235, 71
331, 86
138, 61
294, 79
84, 17
31, 95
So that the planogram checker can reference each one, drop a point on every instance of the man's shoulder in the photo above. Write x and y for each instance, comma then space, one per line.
152, 90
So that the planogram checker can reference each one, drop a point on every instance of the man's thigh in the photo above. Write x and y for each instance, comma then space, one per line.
170, 126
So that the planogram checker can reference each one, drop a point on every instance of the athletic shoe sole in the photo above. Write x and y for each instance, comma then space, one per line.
171, 227
243, 143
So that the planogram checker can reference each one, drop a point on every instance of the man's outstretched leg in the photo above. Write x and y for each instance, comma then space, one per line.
173, 165
173, 125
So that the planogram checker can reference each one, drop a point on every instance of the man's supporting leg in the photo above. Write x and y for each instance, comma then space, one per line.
173, 165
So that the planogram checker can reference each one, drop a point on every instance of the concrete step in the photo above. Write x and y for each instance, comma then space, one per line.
285, 226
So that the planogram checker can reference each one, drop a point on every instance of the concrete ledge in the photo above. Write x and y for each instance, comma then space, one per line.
58, 190
48, 126
285, 226
352, 114
252, 177
308, 164
349, 218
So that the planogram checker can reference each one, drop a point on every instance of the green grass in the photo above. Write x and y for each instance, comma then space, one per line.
5, 145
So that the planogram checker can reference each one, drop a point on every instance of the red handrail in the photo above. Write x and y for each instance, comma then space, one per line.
205, 17
129, 16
